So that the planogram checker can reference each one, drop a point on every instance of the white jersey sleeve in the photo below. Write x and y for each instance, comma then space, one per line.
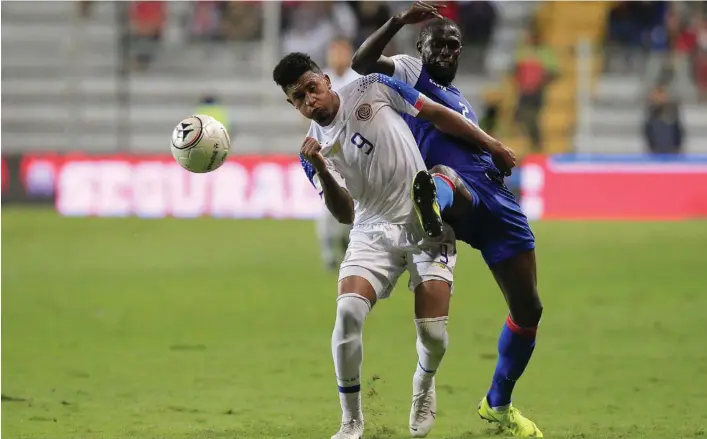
398, 94
407, 68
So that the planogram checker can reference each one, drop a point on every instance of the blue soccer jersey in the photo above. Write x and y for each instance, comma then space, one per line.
495, 225
436, 147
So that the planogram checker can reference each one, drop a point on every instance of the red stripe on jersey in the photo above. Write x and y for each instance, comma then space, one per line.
419, 102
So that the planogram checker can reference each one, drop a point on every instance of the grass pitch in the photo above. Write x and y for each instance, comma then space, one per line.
188, 329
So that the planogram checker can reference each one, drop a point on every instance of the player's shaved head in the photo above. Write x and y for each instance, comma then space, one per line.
436, 24
306, 87
440, 44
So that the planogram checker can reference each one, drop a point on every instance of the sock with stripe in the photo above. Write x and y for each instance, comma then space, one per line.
347, 350
432, 341
515, 347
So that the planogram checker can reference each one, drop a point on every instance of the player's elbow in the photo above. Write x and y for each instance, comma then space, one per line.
359, 64
345, 220
362, 64
345, 215
342, 210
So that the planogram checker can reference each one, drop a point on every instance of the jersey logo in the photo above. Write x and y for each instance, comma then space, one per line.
363, 112
439, 86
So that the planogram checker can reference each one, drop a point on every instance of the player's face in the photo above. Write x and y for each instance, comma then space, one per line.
311, 95
440, 52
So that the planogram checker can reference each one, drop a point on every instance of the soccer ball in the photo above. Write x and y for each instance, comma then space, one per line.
200, 143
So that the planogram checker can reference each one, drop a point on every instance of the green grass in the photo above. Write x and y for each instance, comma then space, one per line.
187, 329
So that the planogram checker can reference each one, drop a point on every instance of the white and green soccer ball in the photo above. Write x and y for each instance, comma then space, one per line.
200, 143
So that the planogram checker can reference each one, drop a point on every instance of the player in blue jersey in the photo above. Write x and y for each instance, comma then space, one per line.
466, 184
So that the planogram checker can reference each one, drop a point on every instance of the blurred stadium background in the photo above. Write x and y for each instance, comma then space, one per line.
122, 327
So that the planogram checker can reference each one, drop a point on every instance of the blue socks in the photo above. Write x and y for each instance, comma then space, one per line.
515, 347
445, 191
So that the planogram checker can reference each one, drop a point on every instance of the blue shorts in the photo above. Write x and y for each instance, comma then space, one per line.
495, 224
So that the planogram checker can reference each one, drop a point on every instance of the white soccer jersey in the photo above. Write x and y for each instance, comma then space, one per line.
370, 149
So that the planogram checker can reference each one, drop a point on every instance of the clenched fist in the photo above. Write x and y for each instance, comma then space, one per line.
312, 152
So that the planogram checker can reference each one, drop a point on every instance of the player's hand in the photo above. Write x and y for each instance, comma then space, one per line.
419, 12
504, 158
312, 152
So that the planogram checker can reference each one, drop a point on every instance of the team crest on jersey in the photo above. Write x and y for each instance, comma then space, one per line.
363, 112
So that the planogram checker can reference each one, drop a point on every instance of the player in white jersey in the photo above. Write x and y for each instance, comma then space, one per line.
334, 236
362, 157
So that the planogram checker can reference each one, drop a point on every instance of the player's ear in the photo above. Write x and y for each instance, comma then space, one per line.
328, 81
290, 102
419, 47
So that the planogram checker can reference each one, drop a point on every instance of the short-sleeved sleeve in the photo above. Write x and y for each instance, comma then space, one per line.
401, 96
407, 69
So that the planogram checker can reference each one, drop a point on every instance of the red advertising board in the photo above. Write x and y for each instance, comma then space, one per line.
156, 186
614, 187
557, 187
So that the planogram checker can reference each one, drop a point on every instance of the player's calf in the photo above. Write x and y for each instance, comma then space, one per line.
431, 309
516, 276
347, 350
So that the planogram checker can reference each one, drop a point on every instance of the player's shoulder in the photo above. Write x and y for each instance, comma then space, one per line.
358, 89
368, 82
407, 68
407, 60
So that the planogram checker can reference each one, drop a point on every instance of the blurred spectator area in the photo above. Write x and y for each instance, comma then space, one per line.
107, 76
648, 45
598, 101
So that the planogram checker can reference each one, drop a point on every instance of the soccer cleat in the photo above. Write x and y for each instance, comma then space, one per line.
423, 411
510, 420
424, 198
351, 429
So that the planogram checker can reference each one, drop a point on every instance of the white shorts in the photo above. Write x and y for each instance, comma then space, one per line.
380, 253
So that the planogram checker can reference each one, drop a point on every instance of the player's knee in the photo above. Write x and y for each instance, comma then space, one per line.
528, 314
444, 170
351, 312
432, 334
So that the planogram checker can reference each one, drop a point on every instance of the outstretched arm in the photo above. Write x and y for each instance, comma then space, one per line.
454, 124
406, 99
369, 57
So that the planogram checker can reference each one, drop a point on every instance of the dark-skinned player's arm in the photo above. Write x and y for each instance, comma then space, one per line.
406, 99
337, 199
456, 125
369, 57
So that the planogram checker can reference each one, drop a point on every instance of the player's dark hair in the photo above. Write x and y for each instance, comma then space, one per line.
291, 67
435, 24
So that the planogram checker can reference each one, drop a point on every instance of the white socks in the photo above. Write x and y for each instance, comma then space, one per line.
432, 340
347, 350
